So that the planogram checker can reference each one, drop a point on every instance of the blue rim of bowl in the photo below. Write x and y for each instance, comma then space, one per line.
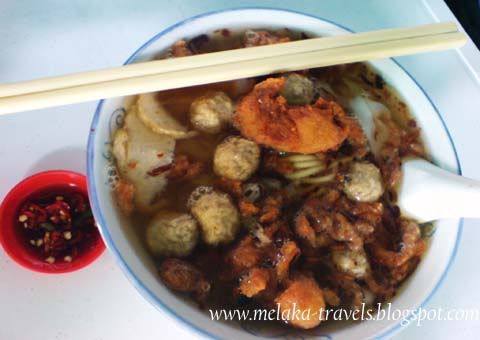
101, 220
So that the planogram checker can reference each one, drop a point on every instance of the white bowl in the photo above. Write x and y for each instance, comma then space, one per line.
139, 267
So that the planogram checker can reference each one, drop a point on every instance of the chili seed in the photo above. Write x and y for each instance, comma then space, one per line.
49, 223
50, 259
67, 235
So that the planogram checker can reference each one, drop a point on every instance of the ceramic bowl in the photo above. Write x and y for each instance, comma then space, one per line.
139, 267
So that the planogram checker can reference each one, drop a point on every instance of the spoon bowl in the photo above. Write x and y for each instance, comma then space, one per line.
428, 193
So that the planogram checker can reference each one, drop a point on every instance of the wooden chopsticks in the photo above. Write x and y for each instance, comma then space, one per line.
226, 65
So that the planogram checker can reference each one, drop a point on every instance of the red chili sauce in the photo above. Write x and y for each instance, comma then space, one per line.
57, 224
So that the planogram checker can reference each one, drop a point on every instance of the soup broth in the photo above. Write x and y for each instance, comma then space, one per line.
311, 225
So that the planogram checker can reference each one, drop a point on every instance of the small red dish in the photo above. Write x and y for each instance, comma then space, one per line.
16, 245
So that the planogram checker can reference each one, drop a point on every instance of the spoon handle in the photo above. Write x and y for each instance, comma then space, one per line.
428, 193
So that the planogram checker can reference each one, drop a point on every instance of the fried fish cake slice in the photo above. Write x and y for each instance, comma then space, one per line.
265, 117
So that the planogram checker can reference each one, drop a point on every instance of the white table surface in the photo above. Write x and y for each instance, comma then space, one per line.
43, 38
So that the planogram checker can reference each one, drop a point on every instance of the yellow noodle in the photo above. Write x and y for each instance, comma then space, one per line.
301, 158
306, 172
343, 160
320, 179
306, 164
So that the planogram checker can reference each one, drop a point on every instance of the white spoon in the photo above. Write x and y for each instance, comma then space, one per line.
426, 192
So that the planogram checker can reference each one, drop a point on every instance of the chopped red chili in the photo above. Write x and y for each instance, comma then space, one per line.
184, 169
225, 32
58, 226
159, 170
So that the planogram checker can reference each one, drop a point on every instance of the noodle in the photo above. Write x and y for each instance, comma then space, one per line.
321, 179
340, 161
306, 164
306, 172
301, 158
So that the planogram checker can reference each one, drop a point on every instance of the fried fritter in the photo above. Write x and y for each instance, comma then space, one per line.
265, 117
